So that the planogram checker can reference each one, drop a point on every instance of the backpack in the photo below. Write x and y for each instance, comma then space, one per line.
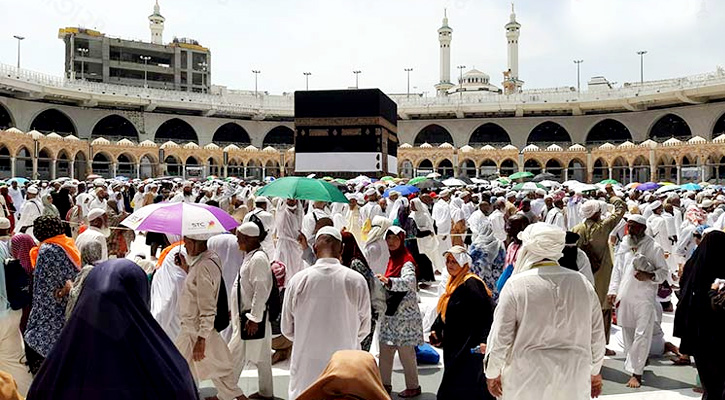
221, 320
18, 285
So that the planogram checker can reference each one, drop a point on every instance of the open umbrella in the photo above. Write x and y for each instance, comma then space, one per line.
521, 175
544, 176
454, 182
387, 178
294, 187
550, 184
648, 186
504, 180
416, 180
586, 187
92, 177
609, 182
180, 219
480, 181
668, 188
691, 187
527, 186
19, 180
430, 184
433, 175
404, 190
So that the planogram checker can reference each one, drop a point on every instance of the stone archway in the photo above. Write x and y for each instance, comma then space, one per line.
126, 166
620, 170
669, 126
667, 169
425, 167
608, 130
405, 169
553, 166
231, 133
53, 120
80, 166
489, 133
719, 128
600, 170
509, 167
6, 119
533, 166
101, 165
45, 161
433, 135
272, 169
547, 133
577, 170
148, 167
281, 137
467, 168
641, 170
24, 163
6, 163
174, 167
445, 168
176, 130
114, 128
63, 164
488, 169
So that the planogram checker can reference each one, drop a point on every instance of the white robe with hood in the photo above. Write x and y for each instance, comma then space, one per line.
166, 288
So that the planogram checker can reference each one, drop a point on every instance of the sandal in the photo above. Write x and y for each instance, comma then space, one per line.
407, 393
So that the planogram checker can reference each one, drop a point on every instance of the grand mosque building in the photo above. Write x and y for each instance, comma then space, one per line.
141, 109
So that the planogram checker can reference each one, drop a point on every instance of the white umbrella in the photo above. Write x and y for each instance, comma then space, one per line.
454, 182
480, 181
433, 175
668, 188
529, 186
571, 183
550, 184
585, 187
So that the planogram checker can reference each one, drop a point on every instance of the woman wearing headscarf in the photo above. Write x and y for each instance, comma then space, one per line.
466, 295
20, 246
458, 229
401, 328
57, 262
166, 289
91, 254
48, 208
112, 322
697, 322
546, 341
422, 241
353, 258
376, 250
691, 231
351, 374
488, 255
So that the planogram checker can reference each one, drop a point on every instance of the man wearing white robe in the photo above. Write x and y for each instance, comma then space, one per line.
555, 216
326, 309
32, 209
498, 220
442, 217
546, 341
427, 245
288, 229
97, 232
369, 211
634, 290
573, 215
226, 247
198, 342
310, 220
260, 212
250, 293
166, 288
17, 195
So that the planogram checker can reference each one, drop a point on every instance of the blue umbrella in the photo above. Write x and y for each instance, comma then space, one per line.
691, 186
21, 181
648, 186
404, 190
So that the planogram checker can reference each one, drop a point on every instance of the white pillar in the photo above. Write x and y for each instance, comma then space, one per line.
12, 167
679, 174
72, 169
138, 170
566, 174
53, 169
610, 172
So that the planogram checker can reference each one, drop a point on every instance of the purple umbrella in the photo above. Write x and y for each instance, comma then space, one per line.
180, 219
648, 186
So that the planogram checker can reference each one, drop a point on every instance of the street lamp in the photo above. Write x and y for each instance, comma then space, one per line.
641, 54
357, 81
307, 79
145, 70
460, 79
578, 64
203, 66
256, 73
20, 39
83, 52
408, 70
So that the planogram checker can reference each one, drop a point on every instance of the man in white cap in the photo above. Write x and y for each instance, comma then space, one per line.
546, 340
97, 232
100, 199
32, 209
250, 293
555, 216
538, 205
326, 309
639, 268
138, 198
442, 216
573, 212
16, 193
260, 214
317, 212
186, 195
657, 228
199, 342
4, 239
369, 211
594, 240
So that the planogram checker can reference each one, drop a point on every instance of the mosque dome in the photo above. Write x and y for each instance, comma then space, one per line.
100, 141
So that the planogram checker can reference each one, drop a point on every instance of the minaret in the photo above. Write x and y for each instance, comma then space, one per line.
156, 24
512, 36
445, 34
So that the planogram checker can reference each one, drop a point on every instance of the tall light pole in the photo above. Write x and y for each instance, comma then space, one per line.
357, 81
307, 79
256, 73
20, 39
83, 52
145, 70
460, 79
203, 66
641, 54
578, 64
408, 70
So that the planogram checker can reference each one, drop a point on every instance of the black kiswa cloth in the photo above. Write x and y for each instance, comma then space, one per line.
111, 348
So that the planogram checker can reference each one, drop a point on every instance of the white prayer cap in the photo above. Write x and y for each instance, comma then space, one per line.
589, 208
188, 184
640, 219
460, 254
96, 213
444, 192
370, 192
541, 192
349, 196
201, 236
329, 231
33, 189
99, 182
4, 223
655, 205
510, 194
395, 230
707, 203
394, 193
249, 229
260, 199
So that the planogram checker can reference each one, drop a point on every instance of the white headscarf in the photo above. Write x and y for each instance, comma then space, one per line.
589, 208
380, 225
486, 241
461, 256
421, 215
540, 241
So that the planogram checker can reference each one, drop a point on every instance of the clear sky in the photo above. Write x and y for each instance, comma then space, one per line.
331, 38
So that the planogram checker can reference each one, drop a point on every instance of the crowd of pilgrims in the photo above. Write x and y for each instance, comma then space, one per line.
530, 284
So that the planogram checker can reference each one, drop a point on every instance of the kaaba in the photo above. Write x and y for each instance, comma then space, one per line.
346, 133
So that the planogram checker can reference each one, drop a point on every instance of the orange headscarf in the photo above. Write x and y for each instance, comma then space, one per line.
350, 374
165, 252
64, 242
453, 283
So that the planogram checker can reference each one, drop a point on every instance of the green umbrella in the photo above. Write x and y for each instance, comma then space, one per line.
521, 175
339, 180
387, 178
294, 187
527, 186
609, 182
504, 180
416, 180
